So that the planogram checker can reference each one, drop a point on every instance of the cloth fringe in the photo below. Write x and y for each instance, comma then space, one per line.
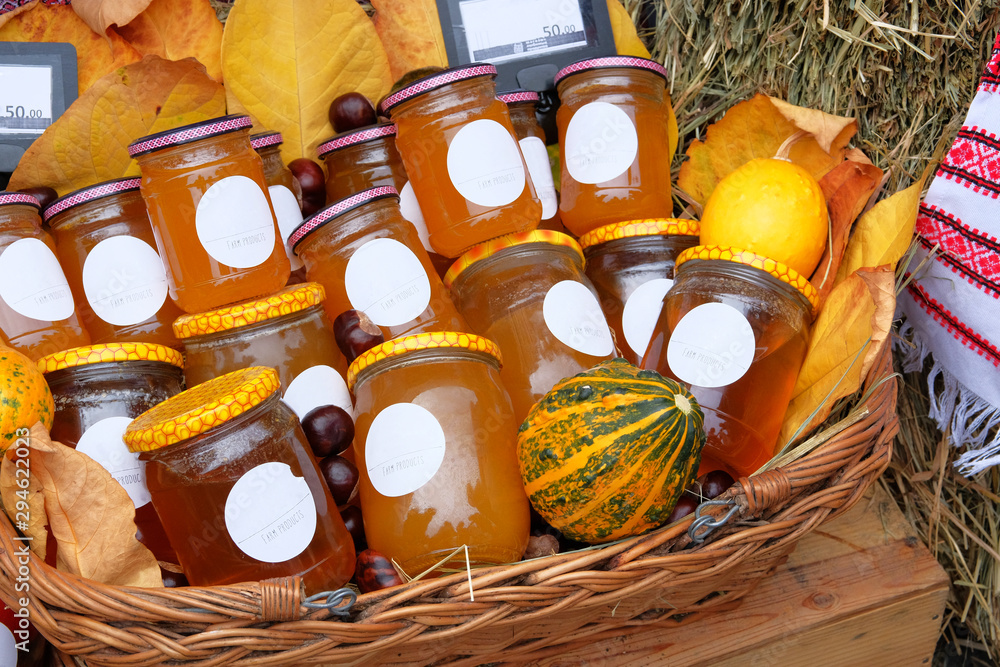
973, 423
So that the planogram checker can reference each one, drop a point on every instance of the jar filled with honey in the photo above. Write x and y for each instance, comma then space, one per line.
106, 247
734, 329
98, 390
239, 494
462, 156
436, 448
211, 213
613, 136
528, 293
632, 266
531, 139
284, 190
369, 258
37, 312
288, 331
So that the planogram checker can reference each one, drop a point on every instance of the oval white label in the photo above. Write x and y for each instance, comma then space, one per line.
485, 165
124, 280
574, 316
404, 449
410, 208
387, 281
712, 346
316, 386
537, 159
8, 646
642, 309
103, 443
270, 513
32, 283
601, 143
235, 224
289, 216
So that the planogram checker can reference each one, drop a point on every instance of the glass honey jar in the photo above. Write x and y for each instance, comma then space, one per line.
436, 447
369, 258
288, 331
531, 139
239, 494
528, 293
211, 213
631, 264
613, 137
98, 390
734, 328
285, 193
37, 313
462, 156
106, 247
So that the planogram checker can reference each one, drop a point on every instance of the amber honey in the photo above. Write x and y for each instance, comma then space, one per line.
285, 193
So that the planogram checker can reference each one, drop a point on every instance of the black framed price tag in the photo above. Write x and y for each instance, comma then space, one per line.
37, 83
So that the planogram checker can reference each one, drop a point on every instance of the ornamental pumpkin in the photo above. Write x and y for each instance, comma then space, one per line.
607, 453
24, 396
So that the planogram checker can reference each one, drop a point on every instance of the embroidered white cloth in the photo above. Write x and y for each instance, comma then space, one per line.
952, 307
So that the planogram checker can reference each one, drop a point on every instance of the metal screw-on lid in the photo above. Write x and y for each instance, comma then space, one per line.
265, 139
325, 215
609, 62
188, 133
434, 81
354, 137
515, 96
18, 198
90, 193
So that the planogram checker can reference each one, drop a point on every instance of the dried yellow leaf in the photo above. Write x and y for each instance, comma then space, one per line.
627, 41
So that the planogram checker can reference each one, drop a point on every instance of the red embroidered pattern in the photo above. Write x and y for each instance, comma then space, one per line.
978, 254
974, 161
990, 82
955, 327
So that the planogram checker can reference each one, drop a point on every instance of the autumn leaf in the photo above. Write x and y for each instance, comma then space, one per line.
831, 132
96, 54
845, 340
178, 29
89, 142
751, 129
627, 42
23, 487
103, 14
284, 63
410, 31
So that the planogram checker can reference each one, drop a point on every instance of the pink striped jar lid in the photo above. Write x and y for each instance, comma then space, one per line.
187, 133
265, 139
515, 96
325, 215
354, 137
609, 62
19, 198
90, 193
434, 81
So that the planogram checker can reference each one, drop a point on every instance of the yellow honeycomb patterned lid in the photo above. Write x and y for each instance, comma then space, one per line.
484, 250
647, 227
289, 300
782, 272
110, 352
201, 408
421, 341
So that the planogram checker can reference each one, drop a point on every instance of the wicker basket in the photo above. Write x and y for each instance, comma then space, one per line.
525, 611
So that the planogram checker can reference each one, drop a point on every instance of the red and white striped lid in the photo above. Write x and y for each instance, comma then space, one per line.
188, 133
90, 193
20, 198
515, 96
433, 81
265, 139
610, 62
353, 137
323, 216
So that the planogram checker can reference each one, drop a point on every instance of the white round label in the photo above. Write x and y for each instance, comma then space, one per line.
8, 646
316, 386
642, 309
387, 281
32, 283
289, 216
410, 208
124, 280
712, 346
537, 159
103, 442
270, 513
574, 316
485, 165
235, 224
404, 449
601, 143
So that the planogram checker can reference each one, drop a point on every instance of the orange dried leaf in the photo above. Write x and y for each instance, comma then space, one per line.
284, 63
16, 478
410, 31
89, 142
96, 54
831, 132
102, 14
627, 41
751, 129
846, 336
178, 29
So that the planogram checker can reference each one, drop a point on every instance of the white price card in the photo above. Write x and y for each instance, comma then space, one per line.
25, 98
501, 30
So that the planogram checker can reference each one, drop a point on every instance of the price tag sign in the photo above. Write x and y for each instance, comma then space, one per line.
25, 98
